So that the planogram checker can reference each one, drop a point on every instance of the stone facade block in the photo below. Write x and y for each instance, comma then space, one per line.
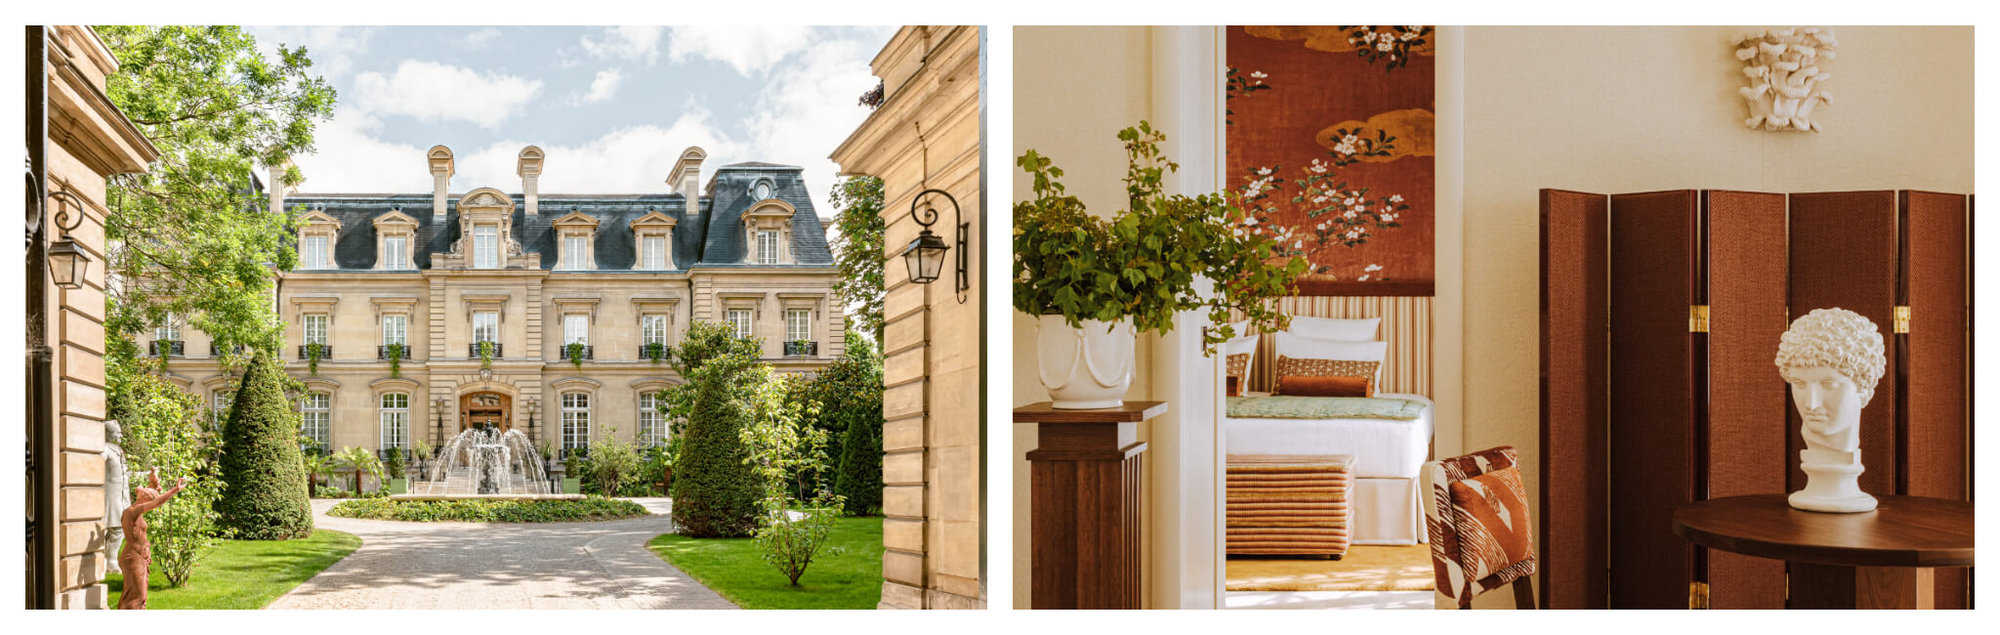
902, 566
906, 535
903, 500
903, 468
83, 503
83, 435
900, 596
83, 468
903, 434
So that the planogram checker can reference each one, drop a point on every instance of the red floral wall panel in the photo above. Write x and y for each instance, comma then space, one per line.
1330, 140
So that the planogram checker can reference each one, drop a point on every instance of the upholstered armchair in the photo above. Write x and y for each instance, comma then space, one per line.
1481, 536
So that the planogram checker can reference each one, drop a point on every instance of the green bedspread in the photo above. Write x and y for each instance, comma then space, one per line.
1288, 407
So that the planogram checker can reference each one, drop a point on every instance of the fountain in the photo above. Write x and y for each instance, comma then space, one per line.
487, 462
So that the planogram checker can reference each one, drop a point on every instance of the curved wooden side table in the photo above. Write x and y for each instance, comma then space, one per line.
1878, 559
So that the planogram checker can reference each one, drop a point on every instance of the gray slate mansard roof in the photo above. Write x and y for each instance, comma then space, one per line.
711, 237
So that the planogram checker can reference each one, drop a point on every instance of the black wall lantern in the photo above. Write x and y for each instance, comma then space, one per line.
67, 264
925, 255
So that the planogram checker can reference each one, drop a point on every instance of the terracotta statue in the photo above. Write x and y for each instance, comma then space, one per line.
117, 491
136, 558
1832, 358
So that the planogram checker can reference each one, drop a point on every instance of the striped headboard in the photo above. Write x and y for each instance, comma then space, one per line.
1406, 326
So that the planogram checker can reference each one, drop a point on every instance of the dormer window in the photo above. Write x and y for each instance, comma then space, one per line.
486, 247
573, 250
575, 232
316, 254
317, 230
398, 233
761, 191
654, 234
767, 247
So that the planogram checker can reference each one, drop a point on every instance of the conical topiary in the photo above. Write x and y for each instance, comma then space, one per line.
715, 491
264, 491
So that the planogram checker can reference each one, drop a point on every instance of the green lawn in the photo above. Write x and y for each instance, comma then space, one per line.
736, 569
246, 574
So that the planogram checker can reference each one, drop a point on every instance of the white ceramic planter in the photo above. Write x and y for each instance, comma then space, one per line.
1090, 367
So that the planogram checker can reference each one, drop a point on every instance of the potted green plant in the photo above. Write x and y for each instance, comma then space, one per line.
314, 352
396, 359
392, 462
574, 351
656, 351
1096, 283
485, 355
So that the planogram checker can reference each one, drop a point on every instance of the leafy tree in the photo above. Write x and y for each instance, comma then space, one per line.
163, 433
788, 452
611, 464
360, 461
858, 251
193, 238
265, 497
849, 393
715, 490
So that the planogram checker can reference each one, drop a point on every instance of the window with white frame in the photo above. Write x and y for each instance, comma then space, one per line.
396, 330
168, 330
739, 321
396, 252
762, 191
486, 247
486, 326
219, 403
653, 329
315, 328
575, 420
767, 247
655, 250
575, 247
576, 329
317, 254
652, 423
395, 419
316, 410
798, 325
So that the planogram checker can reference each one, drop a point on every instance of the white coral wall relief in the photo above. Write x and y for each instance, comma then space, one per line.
1786, 69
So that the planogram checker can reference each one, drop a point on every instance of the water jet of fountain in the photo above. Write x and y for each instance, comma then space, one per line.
487, 461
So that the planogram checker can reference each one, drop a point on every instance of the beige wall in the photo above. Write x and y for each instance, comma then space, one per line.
1074, 89
933, 503
1636, 109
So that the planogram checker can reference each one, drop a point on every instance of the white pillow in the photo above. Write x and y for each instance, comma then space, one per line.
1298, 346
1342, 329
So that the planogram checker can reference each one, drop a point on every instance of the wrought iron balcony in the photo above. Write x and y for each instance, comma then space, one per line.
802, 348
325, 351
564, 353
167, 348
215, 350
646, 351
382, 351
472, 350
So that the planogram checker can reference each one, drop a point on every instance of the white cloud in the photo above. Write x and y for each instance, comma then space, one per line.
603, 86
430, 91
631, 160
480, 38
348, 158
634, 43
748, 49
331, 48
809, 107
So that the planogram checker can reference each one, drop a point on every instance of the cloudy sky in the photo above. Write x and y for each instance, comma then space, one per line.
613, 107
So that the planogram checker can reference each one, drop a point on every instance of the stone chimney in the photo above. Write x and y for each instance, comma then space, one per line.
686, 176
529, 166
441, 171
274, 184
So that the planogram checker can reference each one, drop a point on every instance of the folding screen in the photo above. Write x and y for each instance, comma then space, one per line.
1661, 313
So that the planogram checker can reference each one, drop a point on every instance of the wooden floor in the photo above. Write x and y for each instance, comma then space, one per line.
1364, 568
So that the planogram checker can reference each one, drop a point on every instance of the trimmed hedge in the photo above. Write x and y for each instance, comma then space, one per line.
489, 510
716, 492
264, 496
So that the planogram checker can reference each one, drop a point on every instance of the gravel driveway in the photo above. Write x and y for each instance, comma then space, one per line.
406, 565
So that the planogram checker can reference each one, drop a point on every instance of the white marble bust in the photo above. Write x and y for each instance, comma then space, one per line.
1832, 359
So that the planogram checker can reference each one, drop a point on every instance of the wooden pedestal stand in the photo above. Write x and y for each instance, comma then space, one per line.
1087, 474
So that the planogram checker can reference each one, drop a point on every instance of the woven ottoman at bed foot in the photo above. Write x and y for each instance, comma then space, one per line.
1288, 505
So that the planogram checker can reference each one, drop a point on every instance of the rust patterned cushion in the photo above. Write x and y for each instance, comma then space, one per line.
1238, 367
1314, 367
1305, 386
1496, 543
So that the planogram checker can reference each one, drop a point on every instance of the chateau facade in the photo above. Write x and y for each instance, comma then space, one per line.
542, 313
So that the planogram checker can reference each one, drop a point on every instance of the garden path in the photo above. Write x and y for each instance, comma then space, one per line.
595, 565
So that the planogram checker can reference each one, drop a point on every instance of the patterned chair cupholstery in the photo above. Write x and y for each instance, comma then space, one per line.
1477, 516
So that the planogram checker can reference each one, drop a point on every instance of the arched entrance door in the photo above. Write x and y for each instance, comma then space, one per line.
485, 409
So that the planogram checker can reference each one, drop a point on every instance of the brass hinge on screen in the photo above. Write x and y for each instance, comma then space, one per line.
1697, 318
1902, 320
1697, 595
